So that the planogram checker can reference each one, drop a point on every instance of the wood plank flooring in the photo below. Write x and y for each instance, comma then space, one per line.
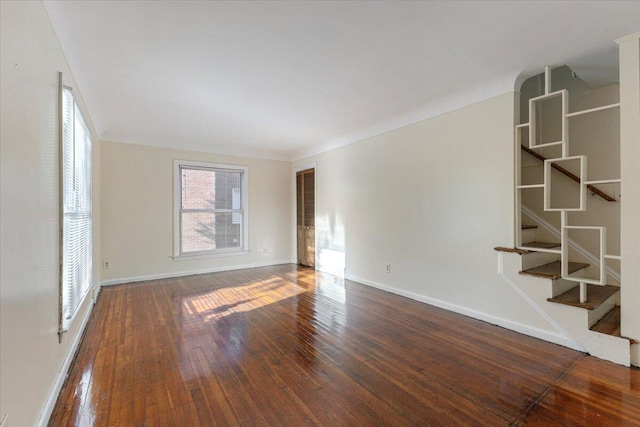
287, 346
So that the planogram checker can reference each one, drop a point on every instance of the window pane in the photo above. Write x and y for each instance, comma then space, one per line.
235, 202
198, 189
225, 184
210, 189
77, 244
204, 231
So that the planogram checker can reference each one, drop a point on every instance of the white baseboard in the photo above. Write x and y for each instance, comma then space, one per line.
192, 272
50, 403
485, 317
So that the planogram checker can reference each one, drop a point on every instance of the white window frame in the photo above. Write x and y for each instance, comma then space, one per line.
178, 255
236, 193
76, 255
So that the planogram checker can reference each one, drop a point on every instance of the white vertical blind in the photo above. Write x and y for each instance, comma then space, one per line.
77, 241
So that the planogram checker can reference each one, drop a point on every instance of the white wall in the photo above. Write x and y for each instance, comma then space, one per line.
630, 148
30, 356
137, 213
432, 199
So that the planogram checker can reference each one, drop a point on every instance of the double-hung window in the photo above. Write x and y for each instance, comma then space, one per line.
76, 212
210, 209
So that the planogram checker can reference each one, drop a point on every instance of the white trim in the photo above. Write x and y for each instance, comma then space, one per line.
52, 397
628, 37
533, 249
547, 79
177, 193
517, 152
204, 255
593, 110
550, 228
494, 320
133, 279
520, 187
304, 167
604, 181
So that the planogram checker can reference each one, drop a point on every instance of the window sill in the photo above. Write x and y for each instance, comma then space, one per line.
187, 257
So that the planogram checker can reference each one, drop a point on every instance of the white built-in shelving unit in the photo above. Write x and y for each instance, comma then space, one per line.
535, 142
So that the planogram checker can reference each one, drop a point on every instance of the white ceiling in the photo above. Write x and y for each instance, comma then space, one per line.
284, 80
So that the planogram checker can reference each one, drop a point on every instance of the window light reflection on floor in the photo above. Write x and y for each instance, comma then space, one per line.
237, 299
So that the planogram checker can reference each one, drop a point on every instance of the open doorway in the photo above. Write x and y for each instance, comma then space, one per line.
305, 217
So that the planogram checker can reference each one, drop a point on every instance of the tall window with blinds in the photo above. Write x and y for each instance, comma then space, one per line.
76, 212
210, 209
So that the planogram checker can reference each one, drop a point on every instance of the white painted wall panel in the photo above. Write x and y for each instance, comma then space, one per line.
431, 199
137, 212
630, 148
30, 356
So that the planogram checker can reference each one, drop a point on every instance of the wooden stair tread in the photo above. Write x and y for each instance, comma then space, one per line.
513, 250
610, 323
529, 227
553, 270
530, 247
542, 245
596, 295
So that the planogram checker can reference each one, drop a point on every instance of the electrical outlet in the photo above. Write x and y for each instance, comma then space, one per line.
107, 264
265, 251
617, 195
388, 268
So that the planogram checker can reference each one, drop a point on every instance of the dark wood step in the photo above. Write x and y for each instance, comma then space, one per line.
513, 250
553, 270
532, 245
529, 227
610, 323
596, 295
541, 245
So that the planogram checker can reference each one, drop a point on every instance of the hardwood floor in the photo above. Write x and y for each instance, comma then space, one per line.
286, 346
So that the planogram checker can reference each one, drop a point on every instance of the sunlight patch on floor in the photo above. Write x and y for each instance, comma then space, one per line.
238, 299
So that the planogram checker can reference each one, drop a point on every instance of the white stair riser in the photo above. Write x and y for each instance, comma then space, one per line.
573, 321
536, 259
561, 286
528, 235
599, 312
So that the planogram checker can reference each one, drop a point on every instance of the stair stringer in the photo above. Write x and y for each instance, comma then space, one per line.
571, 323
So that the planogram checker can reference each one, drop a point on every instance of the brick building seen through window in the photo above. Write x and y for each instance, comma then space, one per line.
211, 209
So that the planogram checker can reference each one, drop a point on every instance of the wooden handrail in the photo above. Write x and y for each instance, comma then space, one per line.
562, 170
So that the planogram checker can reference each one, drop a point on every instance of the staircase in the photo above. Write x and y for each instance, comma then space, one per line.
567, 254
592, 325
